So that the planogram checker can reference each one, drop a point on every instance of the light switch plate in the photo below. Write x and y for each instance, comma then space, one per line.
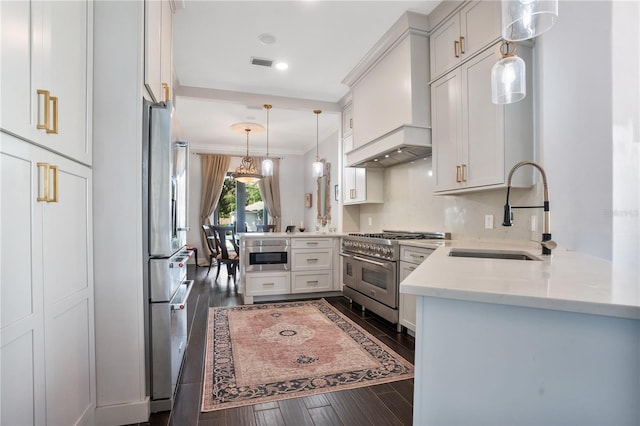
488, 221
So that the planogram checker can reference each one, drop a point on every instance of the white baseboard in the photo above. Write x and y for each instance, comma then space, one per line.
123, 414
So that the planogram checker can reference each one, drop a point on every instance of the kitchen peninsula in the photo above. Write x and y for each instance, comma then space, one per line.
549, 341
280, 266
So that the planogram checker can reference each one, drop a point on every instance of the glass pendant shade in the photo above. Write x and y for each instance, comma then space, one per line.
508, 79
525, 19
318, 168
267, 167
267, 163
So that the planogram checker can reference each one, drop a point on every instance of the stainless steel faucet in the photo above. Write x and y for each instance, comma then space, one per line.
508, 214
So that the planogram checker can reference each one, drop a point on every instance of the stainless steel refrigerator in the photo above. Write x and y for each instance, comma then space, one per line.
166, 288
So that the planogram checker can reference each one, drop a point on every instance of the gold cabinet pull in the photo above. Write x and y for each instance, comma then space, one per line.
456, 44
351, 123
43, 106
461, 44
45, 185
352, 194
54, 102
165, 86
55, 185
464, 172
458, 173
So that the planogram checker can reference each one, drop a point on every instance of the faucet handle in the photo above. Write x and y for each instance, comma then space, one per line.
508, 216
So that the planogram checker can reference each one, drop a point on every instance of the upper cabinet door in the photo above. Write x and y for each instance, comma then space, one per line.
445, 46
479, 26
473, 28
347, 121
46, 74
157, 49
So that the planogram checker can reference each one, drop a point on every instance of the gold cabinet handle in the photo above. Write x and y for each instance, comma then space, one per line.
45, 184
464, 172
458, 173
352, 194
351, 123
54, 102
461, 44
43, 106
165, 86
55, 184
456, 44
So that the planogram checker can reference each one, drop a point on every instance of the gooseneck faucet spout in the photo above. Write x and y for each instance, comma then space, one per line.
508, 214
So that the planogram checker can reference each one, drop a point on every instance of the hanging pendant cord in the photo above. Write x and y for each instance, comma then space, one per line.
247, 130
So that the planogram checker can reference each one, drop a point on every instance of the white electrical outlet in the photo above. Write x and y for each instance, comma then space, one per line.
488, 221
370, 221
534, 221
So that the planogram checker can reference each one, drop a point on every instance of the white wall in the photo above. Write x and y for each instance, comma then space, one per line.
328, 150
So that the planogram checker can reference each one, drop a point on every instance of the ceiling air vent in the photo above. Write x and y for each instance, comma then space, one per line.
261, 62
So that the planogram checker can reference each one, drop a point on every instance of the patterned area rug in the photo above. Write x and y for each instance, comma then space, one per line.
262, 353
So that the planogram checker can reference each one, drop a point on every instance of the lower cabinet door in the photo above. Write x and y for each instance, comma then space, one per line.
267, 283
308, 282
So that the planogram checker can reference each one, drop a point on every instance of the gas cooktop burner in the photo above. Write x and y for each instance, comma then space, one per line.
401, 235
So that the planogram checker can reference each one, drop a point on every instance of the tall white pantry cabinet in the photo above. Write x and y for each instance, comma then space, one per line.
47, 357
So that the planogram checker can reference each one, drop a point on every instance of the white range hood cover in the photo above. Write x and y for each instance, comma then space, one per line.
402, 145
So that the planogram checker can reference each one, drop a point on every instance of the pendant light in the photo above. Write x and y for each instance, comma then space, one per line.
247, 172
267, 163
508, 78
317, 167
525, 19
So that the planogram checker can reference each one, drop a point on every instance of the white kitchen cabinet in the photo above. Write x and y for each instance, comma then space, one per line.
473, 28
363, 185
312, 264
267, 283
158, 49
46, 76
475, 142
410, 258
46, 264
347, 120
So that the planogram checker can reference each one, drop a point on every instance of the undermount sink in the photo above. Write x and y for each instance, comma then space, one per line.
492, 254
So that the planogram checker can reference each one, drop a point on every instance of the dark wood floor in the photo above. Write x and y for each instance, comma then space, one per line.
387, 404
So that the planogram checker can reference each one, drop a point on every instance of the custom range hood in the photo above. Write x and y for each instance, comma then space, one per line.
391, 98
402, 145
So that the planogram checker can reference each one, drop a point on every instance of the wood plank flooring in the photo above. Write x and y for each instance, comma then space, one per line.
386, 404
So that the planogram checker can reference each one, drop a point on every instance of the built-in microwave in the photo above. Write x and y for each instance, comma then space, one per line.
270, 254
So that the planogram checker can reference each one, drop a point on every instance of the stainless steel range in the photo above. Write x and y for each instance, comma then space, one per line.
370, 269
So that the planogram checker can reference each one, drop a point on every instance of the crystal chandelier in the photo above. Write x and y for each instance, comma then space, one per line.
247, 172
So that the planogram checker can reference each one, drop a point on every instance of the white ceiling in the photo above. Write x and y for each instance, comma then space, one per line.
320, 40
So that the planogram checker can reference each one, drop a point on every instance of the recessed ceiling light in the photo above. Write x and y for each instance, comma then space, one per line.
282, 66
266, 38
375, 159
386, 156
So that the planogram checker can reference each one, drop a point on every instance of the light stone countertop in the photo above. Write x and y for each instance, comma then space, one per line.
249, 235
565, 281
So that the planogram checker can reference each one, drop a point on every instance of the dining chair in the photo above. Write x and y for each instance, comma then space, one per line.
232, 260
266, 228
210, 238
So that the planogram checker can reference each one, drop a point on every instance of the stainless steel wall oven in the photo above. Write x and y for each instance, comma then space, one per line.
269, 254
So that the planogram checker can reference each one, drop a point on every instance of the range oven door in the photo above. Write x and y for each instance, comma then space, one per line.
377, 279
349, 269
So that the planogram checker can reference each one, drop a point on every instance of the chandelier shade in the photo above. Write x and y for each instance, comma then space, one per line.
247, 171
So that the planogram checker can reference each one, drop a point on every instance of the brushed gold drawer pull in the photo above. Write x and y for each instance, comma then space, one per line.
464, 172
461, 44
458, 173
312, 260
55, 184
45, 184
456, 45
314, 282
268, 284
54, 102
